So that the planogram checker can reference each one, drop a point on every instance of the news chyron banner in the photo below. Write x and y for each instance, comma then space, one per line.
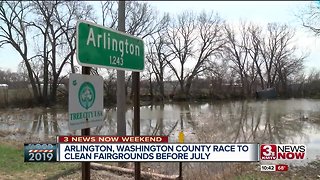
151, 149
157, 149
152, 152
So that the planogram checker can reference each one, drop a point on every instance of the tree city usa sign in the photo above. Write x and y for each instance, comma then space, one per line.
99, 46
85, 101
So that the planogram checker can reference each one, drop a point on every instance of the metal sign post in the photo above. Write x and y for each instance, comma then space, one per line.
99, 46
136, 120
181, 140
85, 166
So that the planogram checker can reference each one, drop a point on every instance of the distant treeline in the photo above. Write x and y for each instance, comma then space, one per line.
187, 56
18, 92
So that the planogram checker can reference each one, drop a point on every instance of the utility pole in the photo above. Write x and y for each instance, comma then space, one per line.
121, 95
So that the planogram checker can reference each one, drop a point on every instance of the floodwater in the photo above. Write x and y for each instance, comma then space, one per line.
274, 121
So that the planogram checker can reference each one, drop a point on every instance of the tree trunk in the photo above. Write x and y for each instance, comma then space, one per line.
32, 81
188, 86
45, 71
150, 88
54, 88
161, 86
73, 70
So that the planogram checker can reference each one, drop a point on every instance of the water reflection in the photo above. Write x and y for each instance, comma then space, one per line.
279, 121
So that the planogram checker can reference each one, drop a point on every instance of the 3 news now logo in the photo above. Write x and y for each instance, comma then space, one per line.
282, 151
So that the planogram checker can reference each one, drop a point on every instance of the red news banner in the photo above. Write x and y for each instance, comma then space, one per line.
112, 139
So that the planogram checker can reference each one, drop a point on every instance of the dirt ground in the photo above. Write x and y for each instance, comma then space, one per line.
310, 172
97, 175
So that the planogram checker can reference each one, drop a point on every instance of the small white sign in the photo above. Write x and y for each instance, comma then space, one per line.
85, 101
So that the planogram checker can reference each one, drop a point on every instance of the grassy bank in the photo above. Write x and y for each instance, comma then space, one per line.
13, 167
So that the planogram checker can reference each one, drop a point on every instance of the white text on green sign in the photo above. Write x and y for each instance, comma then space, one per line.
104, 47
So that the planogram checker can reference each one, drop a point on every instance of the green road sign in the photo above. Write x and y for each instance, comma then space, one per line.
100, 46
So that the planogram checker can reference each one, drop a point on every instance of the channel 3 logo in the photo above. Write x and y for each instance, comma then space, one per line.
268, 152
283, 151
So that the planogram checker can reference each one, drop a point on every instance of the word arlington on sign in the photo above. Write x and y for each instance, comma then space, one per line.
99, 46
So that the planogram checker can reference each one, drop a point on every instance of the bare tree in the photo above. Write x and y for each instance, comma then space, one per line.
148, 76
56, 23
237, 51
13, 31
181, 38
194, 40
8, 77
141, 17
218, 74
73, 11
265, 56
211, 41
287, 69
279, 55
310, 16
158, 54
312, 83
109, 13
52, 24
42, 23
140, 21
254, 51
110, 86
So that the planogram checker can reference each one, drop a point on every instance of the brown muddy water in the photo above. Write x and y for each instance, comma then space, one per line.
273, 121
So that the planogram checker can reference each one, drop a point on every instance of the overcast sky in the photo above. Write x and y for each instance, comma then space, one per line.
260, 12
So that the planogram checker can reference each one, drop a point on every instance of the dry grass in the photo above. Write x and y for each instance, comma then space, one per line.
15, 97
